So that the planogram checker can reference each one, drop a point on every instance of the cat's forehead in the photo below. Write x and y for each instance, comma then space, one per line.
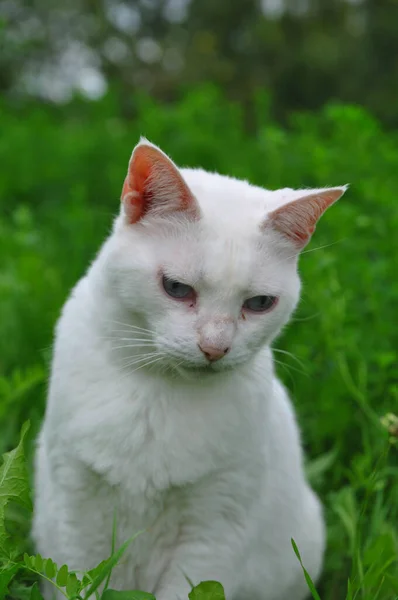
219, 258
227, 201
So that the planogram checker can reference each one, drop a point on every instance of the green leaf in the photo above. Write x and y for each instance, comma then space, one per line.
349, 591
318, 467
39, 562
89, 576
92, 574
207, 590
345, 506
50, 568
6, 576
114, 537
72, 585
130, 595
35, 592
308, 579
62, 576
109, 564
14, 484
26, 559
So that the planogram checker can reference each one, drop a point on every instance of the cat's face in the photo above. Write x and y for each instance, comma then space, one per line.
206, 265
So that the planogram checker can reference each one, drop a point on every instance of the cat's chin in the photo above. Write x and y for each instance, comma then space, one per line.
192, 371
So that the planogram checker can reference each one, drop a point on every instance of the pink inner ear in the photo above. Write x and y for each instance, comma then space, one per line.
153, 183
297, 219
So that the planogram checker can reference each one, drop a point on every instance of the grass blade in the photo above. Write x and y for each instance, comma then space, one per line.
109, 565
308, 579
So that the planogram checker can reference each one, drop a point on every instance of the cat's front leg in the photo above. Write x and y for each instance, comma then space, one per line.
214, 529
199, 561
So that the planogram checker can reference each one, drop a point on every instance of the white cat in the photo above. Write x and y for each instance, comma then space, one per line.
163, 404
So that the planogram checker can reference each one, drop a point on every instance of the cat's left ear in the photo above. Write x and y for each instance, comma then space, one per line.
154, 185
296, 220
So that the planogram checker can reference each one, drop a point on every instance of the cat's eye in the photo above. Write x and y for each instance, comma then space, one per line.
260, 303
176, 289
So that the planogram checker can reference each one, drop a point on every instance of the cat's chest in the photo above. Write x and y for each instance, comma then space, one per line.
150, 440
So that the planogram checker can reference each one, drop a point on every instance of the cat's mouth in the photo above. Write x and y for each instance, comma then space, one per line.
207, 370
200, 369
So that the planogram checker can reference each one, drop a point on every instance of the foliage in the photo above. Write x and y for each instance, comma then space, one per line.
13, 487
305, 51
61, 176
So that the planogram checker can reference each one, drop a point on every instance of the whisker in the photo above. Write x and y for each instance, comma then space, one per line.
137, 349
151, 362
280, 262
132, 332
179, 363
130, 360
301, 319
290, 367
130, 326
127, 339
125, 347
127, 332
291, 356
126, 371
174, 366
324, 246
287, 370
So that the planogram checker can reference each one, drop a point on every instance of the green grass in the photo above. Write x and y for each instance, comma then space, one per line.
60, 180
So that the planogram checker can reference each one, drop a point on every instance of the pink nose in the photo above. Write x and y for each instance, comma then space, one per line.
212, 354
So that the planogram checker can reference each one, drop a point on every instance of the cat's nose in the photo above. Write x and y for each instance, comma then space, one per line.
212, 353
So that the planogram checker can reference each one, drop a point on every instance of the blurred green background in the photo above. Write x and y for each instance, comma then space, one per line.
282, 92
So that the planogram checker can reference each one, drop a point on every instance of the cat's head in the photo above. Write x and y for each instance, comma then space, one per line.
205, 265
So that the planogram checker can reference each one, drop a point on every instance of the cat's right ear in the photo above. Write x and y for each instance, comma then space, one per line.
154, 185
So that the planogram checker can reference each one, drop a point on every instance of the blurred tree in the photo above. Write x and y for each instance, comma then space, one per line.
304, 51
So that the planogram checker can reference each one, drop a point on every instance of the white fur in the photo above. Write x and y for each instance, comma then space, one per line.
208, 462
